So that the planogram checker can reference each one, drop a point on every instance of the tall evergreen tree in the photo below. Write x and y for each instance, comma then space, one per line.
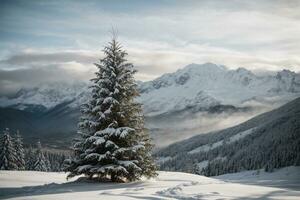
41, 163
112, 140
19, 151
8, 157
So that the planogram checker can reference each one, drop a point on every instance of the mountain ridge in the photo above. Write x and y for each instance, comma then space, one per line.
216, 83
197, 85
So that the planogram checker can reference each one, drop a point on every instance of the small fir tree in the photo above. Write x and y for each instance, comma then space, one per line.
112, 141
19, 151
8, 156
30, 158
41, 163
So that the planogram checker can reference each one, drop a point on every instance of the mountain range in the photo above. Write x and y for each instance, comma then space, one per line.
196, 95
207, 85
194, 86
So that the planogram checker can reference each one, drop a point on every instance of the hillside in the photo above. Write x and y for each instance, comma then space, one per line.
168, 185
270, 140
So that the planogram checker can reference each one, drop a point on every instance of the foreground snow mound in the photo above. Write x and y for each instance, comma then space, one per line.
168, 185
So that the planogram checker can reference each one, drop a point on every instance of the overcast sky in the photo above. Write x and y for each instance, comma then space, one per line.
59, 40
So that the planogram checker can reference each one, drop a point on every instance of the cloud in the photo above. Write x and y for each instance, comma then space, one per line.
31, 68
167, 131
33, 57
160, 36
12, 80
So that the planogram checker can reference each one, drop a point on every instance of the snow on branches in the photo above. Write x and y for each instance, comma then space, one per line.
112, 141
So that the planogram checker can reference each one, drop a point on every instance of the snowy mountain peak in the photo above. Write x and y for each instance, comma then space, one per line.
243, 71
182, 76
285, 74
196, 70
48, 95
287, 81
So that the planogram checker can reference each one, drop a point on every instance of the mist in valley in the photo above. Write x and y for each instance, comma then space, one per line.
172, 128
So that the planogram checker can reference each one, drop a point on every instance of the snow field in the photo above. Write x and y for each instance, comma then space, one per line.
168, 185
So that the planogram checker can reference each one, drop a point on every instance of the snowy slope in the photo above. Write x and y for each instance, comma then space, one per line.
288, 177
168, 185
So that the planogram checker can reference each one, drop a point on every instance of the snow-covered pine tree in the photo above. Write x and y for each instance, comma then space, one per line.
56, 160
19, 151
30, 158
113, 142
8, 157
41, 163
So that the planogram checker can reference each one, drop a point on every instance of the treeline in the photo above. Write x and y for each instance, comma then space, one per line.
259, 150
13, 155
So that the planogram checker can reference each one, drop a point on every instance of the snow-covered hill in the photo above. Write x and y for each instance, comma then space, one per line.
168, 185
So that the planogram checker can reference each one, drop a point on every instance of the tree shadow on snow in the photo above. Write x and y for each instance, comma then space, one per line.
55, 188
131, 191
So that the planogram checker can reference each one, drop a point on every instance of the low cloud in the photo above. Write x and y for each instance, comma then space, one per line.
31, 67
168, 131
33, 74
33, 57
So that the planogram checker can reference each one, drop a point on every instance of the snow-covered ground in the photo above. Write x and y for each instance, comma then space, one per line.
168, 185
288, 177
